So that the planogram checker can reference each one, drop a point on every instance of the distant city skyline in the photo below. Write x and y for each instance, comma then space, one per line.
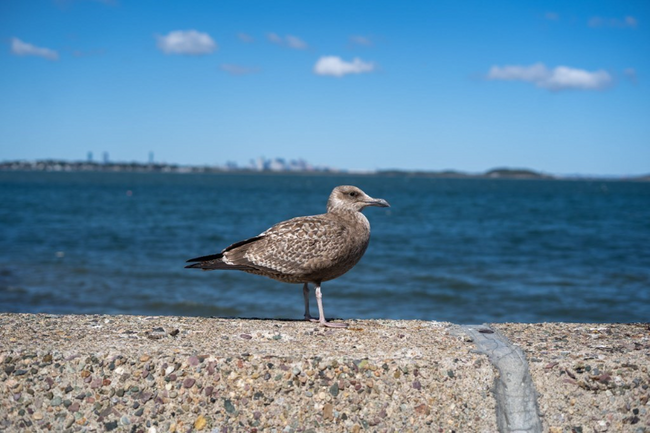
556, 87
259, 163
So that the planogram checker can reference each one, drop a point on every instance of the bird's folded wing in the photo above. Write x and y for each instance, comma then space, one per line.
299, 245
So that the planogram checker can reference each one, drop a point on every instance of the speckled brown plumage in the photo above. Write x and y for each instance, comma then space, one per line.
309, 249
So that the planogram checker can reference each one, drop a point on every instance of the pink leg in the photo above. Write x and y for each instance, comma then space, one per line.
321, 314
305, 294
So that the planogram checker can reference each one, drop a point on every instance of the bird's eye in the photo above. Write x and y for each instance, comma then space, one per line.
353, 194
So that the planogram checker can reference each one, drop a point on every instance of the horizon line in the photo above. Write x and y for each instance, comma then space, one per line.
495, 172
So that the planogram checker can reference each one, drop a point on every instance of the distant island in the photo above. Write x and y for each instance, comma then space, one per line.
496, 173
276, 165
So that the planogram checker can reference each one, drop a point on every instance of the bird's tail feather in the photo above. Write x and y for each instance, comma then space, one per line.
206, 258
213, 262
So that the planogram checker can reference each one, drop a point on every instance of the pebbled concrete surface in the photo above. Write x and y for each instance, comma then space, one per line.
92, 373
589, 377
180, 374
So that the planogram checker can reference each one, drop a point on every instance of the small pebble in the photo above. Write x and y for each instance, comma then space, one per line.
228, 406
200, 423
328, 412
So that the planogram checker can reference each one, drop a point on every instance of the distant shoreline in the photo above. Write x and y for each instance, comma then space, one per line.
137, 167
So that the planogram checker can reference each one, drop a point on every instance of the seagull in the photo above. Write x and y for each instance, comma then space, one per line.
308, 249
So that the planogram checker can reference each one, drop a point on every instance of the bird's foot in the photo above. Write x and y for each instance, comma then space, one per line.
325, 323
333, 324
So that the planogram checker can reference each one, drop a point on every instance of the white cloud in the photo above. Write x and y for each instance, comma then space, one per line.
558, 78
337, 67
563, 77
186, 42
238, 69
21, 48
628, 21
289, 40
533, 73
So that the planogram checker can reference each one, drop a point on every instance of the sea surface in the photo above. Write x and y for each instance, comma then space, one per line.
460, 250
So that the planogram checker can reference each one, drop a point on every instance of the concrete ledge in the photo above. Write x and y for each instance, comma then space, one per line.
158, 374
588, 377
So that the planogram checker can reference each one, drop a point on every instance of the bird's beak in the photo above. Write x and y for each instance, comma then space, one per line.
379, 202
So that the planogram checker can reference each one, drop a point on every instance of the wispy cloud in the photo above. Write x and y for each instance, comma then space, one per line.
188, 42
238, 69
628, 21
361, 40
21, 48
289, 41
630, 73
274, 38
558, 78
245, 37
295, 42
337, 67
552, 16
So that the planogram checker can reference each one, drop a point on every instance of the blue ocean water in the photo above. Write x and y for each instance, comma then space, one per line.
460, 250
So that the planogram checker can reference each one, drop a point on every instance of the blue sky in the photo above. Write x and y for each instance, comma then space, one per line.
560, 87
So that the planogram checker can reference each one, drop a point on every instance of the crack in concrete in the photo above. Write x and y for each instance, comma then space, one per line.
515, 394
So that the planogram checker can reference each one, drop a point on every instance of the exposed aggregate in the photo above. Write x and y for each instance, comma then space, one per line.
589, 377
176, 374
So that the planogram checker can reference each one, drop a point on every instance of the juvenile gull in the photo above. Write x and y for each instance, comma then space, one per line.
309, 249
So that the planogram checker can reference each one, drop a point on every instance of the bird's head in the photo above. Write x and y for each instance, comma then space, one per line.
351, 198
